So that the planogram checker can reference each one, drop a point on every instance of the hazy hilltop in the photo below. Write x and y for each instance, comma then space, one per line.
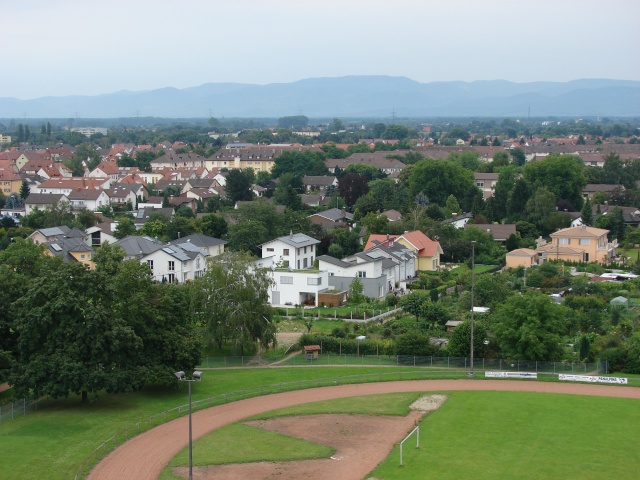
351, 96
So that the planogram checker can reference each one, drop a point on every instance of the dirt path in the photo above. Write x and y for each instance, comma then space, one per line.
144, 457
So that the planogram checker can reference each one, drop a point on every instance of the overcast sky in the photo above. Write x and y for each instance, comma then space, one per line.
82, 47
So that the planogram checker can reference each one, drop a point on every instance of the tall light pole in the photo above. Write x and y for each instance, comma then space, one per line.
197, 376
473, 286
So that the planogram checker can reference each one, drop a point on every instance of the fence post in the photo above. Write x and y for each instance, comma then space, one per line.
24, 406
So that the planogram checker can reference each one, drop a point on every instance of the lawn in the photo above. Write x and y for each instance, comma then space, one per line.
506, 435
480, 435
65, 433
238, 443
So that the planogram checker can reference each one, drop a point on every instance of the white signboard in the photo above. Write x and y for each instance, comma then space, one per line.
592, 379
510, 374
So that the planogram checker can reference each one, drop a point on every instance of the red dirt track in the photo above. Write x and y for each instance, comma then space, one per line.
143, 457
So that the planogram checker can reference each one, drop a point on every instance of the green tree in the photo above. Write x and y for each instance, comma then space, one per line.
416, 344
69, 339
438, 179
24, 190
586, 214
540, 206
517, 200
529, 327
299, 164
124, 228
375, 223
460, 341
352, 187
560, 174
212, 225
395, 132
296, 122
238, 186
613, 170
504, 185
246, 236
232, 297
412, 303
500, 159
356, 289
451, 206
519, 157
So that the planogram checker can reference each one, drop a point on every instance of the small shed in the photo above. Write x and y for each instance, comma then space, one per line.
619, 302
452, 324
311, 352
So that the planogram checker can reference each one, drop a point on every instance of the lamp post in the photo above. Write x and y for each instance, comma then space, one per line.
473, 285
182, 377
358, 340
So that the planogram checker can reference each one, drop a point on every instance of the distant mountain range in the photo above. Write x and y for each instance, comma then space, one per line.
348, 97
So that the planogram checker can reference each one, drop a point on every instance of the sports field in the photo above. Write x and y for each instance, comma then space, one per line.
484, 435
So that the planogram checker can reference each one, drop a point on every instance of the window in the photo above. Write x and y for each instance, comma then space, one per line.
314, 281
362, 274
270, 249
285, 252
304, 263
586, 257
198, 266
172, 277
150, 265
305, 251
563, 241
82, 257
584, 241
286, 280
172, 265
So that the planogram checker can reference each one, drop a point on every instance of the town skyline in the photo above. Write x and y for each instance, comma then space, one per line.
68, 48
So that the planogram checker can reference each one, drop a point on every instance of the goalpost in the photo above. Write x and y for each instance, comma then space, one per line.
417, 431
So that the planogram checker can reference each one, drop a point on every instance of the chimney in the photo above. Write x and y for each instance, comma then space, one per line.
584, 227
454, 215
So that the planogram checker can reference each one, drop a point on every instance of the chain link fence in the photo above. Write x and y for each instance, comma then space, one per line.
403, 360
17, 408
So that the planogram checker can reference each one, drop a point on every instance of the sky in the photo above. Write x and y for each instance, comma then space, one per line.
80, 47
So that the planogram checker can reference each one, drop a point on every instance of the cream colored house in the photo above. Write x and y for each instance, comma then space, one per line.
579, 244
522, 257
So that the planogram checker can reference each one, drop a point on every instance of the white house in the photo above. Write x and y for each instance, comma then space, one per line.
213, 246
296, 287
90, 199
295, 251
173, 263
367, 267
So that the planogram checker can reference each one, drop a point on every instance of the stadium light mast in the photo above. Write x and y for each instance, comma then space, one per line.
473, 285
197, 377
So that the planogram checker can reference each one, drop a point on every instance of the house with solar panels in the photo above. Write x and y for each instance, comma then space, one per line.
168, 263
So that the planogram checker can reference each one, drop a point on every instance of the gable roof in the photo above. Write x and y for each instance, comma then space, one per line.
423, 244
136, 246
581, 231
500, 232
296, 240
334, 214
200, 240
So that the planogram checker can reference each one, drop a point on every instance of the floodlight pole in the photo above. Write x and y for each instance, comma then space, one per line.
197, 376
473, 284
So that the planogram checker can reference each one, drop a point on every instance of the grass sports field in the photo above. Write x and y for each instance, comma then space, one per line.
52, 443
480, 435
